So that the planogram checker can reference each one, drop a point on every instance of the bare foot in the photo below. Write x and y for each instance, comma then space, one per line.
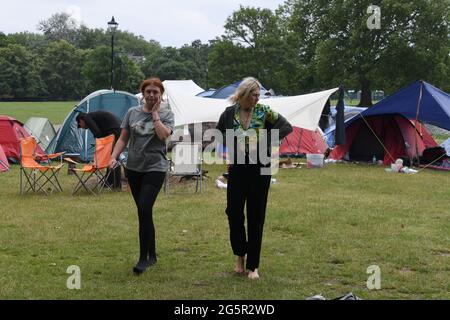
253, 274
240, 263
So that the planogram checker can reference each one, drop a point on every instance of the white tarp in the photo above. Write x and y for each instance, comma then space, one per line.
187, 87
302, 111
446, 146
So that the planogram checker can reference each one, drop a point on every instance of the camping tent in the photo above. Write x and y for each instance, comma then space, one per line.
385, 137
206, 93
11, 131
226, 91
74, 140
41, 129
4, 165
419, 101
303, 141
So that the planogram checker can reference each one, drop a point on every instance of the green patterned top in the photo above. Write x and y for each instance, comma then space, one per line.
260, 115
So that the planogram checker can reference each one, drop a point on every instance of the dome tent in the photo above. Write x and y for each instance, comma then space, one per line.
74, 140
11, 131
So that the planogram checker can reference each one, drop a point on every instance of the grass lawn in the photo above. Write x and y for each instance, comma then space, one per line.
55, 111
324, 228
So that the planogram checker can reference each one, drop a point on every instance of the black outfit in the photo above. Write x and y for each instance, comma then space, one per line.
103, 123
145, 187
246, 184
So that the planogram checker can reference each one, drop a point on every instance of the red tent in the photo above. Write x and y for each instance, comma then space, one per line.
303, 141
11, 131
398, 135
4, 165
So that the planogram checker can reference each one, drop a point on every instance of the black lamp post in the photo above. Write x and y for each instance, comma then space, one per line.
112, 26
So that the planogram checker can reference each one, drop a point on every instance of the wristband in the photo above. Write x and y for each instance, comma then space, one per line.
155, 120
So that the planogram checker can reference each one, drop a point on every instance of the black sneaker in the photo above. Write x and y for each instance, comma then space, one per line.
141, 266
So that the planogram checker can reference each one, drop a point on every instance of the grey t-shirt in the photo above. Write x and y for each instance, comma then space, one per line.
146, 152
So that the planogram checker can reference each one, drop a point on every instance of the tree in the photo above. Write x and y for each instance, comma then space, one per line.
5, 40
87, 38
19, 74
128, 74
411, 44
32, 41
61, 71
60, 26
97, 70
253, 45
228, 62
197, 54
171, 64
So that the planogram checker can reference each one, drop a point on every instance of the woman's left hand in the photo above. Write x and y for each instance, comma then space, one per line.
157, 106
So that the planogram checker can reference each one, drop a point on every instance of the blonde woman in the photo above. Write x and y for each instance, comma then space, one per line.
246, 182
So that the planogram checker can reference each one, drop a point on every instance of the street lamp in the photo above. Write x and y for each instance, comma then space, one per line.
112, 26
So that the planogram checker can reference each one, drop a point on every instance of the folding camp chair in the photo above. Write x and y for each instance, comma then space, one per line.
37, 177
186, 162
98, 169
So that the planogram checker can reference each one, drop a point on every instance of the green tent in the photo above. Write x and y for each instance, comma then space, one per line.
41, 129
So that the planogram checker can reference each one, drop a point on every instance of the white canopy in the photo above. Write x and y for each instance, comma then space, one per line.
187, 87
302, 111
446, 146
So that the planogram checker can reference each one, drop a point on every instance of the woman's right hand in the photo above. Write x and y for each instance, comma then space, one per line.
112, 163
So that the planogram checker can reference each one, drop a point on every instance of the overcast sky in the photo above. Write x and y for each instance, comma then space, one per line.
170, 22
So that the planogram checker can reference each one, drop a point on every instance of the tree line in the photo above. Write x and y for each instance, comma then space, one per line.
303, 46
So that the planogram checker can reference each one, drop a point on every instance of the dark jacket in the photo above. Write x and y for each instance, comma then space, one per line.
226, 122
102, 123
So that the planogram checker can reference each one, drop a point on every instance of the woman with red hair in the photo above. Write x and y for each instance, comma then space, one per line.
145, 130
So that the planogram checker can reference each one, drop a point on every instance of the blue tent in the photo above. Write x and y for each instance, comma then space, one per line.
434, 107
75, 140
420, 99
228, 90
206, 93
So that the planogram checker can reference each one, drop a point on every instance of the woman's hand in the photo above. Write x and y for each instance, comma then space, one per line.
112, 163
157, 106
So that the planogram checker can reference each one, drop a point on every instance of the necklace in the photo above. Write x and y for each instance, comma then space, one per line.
246, 121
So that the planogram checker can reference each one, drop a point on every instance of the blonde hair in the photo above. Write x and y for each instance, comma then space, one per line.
247, 86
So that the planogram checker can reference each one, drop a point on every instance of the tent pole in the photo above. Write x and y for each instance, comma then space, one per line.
86, 134
415, 124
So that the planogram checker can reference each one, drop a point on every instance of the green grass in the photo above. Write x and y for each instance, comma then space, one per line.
324, 228
55, 111
440, 137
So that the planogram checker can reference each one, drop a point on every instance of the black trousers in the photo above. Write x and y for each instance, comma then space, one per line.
115, 176
145, 187
246, 185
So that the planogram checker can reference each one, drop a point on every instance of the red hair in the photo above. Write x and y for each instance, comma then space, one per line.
152, 82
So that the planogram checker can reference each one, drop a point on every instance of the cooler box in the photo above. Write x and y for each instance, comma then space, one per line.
314, 160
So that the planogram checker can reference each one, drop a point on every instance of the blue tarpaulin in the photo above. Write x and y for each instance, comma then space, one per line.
420, 99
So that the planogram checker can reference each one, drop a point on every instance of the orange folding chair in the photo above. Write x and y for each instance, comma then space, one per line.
37, 177
98, 169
